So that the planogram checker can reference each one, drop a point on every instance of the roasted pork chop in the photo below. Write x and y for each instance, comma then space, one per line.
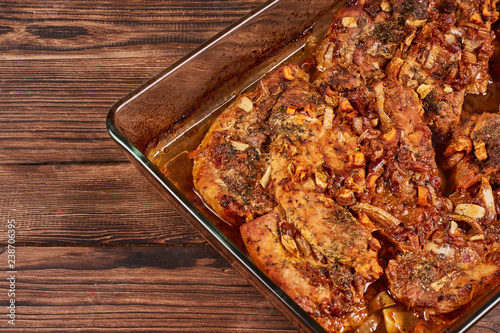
231, 159
444, 46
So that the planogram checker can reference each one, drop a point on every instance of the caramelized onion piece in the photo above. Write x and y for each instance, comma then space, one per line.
432, 57
390, 323
424, 89
486, 196
357, 125
377, 215
370, 325
303, 245
380, 101
470, 221
381, 301
328, 118
397, 320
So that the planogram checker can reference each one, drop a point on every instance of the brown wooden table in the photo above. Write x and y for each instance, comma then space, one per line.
96, 248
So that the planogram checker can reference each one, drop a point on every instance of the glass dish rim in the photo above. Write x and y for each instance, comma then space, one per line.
460, 325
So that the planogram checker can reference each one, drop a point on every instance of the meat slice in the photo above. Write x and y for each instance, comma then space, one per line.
333, 232
400, 187
457, 259
299, 153
443, 281
410, 170
472, 154
328, 292
230, 161
444, 48
434, 67
444, 262
447, 58
306, 146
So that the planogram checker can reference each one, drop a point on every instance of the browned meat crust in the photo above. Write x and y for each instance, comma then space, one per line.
438, 284
229, 162
324, 291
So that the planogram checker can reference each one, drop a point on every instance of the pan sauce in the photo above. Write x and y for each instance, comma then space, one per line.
167, 160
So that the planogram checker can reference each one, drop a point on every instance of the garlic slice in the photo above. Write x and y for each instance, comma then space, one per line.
385, 6
349, 22
266, 179
328, 118
424, 89
470, 210
289, 244
416, 23
239, 145
245, 104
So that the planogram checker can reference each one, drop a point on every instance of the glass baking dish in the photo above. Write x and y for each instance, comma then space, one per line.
180, 102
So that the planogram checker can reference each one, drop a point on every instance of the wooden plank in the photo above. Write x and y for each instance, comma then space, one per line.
131, 289
90, 26
55, 112
64, 64
489, 324
87, 204
172, 289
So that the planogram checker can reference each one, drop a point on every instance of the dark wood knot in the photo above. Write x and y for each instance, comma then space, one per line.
56, 32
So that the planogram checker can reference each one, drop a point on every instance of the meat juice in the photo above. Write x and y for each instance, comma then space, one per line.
173, 161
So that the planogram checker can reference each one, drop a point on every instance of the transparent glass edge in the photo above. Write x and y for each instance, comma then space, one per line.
192, 54
462, 327
195, 213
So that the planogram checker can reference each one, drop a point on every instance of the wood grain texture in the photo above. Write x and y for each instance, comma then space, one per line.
64, 63
87, 204
140, 289
54, 111
100, 251
96, 26
126, 289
